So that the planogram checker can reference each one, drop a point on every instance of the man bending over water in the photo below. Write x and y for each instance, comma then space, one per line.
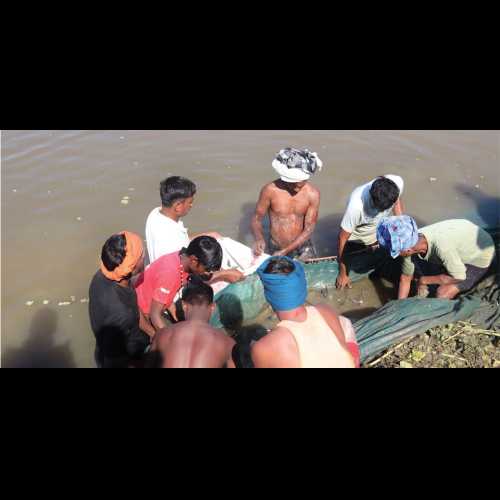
192, 343
292, 204
307, 336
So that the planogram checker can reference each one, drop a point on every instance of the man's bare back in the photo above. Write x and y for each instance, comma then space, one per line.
193, 344
293, 210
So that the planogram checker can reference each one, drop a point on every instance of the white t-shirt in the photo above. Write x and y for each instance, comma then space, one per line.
164, 235
361, 218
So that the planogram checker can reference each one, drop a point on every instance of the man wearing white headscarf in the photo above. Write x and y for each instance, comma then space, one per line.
292, 204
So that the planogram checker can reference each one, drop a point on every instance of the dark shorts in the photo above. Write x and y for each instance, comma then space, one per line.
305, 252
473, 276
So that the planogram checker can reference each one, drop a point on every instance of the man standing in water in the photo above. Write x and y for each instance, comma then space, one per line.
192, 343
122, 332
292, 204
165, 231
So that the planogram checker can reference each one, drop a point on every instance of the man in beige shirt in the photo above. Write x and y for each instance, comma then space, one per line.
463, 251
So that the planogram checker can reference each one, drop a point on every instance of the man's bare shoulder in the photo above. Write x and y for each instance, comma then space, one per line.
279, 340
269, 189
313, 191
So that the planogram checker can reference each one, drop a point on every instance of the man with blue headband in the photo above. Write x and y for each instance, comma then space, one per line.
307, 336
460, 251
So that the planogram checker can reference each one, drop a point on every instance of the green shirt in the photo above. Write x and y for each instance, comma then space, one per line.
453, 244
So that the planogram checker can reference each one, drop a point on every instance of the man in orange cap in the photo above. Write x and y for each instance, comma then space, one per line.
121, 331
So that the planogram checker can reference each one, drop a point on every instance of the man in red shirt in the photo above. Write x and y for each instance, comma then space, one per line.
161, 281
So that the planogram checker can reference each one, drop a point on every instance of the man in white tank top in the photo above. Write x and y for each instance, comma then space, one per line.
306, 337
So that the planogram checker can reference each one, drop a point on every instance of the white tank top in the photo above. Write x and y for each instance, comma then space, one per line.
318, 345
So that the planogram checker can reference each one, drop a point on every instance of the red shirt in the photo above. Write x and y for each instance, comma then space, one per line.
160, 281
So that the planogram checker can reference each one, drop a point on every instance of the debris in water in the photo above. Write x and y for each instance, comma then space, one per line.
126, 198
84, 300
432, 179
64, 304
72, 298
30, 303
122, 137
418, 159
45, 302
14, 190
131, 189
124, 202
79, 219
477, 186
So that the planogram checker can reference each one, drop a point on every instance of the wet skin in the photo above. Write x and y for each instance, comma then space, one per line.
293, 213
194, 343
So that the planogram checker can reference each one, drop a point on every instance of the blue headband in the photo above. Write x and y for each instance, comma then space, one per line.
284, 292
397, 234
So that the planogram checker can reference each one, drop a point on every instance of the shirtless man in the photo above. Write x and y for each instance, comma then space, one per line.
292, 204
192, 343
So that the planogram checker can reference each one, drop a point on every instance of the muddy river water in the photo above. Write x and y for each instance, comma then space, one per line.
62, 191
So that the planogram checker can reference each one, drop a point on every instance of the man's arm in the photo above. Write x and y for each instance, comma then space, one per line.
398, 208
343, 278
145, 325
261, 210
310, 222
228, 275
230, 343
404, 286
440, 279
156, 315
213, 234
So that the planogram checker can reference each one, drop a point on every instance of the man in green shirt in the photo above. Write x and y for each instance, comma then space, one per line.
463, 251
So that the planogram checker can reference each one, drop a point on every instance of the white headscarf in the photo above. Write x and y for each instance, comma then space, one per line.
294, 165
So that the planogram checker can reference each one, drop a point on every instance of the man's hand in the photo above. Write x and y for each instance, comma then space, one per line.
232, 276
173, 312
215, 234
212, 234
279, 253
422, 290
259, 247
343, 281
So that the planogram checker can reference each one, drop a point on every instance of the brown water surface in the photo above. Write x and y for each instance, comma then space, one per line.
62, 192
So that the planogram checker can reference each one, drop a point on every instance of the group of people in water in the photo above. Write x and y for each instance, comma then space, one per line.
159, 315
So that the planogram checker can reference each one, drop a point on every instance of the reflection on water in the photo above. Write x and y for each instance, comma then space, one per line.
62, 192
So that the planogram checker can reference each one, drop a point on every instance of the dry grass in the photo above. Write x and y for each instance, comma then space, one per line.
459, 345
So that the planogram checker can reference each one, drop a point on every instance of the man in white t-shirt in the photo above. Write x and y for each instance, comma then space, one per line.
165, 231
367, 205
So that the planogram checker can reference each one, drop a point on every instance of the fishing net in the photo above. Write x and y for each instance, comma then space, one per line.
394, 322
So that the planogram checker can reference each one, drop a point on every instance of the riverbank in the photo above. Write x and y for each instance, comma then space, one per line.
459, 345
